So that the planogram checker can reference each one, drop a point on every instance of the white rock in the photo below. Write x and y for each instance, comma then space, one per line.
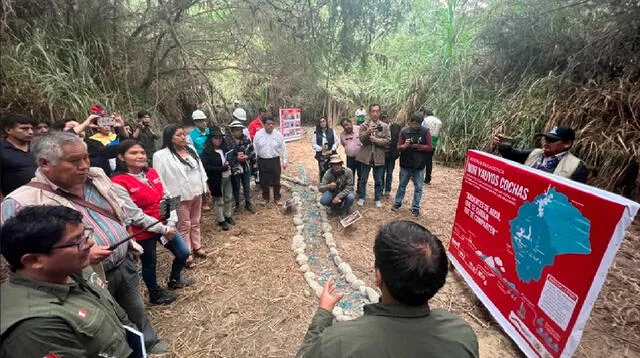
318, 291
326, 228
304, 268
306, 293
363, 290
302, 259
337, 311
373, 296
328, 235
313, 188
300, 227
350, 277
377, 289
357, 284
331, 243
319, 196
298, 251
344, 268
297, 221
337, 260
342, 318
333, 251
309, 276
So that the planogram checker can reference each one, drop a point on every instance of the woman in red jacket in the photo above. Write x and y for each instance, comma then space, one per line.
141, 189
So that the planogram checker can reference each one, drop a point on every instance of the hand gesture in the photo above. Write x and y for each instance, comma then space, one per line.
330, 296
336, 200
371, 130
99, 253
332, 186
171, 233
118, 121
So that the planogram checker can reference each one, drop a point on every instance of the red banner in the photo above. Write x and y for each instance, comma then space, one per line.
290, 124
535, 248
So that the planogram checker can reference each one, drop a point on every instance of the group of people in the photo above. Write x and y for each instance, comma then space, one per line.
103, 195
63, 212
375, 144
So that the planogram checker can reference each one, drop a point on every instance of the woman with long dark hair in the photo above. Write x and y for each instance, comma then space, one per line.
142, 190
216, 164
325, 144
182, 172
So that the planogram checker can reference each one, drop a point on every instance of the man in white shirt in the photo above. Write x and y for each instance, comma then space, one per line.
272, 157
433, 124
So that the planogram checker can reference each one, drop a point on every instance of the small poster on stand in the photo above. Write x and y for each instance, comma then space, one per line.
290, 124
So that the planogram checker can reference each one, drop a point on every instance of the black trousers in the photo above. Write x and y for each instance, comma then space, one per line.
354, 165
429, 167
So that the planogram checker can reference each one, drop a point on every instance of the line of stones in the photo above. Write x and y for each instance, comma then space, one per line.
298, 247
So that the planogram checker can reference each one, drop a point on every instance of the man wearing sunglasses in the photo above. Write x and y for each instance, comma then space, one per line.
554, 156
54, 305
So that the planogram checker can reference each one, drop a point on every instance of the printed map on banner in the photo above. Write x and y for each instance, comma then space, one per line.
290, 124
535, 248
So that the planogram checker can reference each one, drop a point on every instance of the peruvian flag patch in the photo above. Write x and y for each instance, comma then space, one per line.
82, 313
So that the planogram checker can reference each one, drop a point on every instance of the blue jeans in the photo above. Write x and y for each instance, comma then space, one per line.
387, 177
415, 175
344, 206
377, 178
178, 248
243, 179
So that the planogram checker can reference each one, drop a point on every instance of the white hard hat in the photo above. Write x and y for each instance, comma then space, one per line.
361, 112
198, 115
240, 113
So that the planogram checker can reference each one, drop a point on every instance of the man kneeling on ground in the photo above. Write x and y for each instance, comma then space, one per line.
54, 305
337, 186
411, 266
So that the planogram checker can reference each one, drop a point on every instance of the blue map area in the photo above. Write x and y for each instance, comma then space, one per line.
544, 228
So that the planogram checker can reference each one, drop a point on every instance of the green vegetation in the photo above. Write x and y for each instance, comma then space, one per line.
512, 66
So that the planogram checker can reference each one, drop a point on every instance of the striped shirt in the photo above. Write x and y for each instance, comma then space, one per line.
106, 230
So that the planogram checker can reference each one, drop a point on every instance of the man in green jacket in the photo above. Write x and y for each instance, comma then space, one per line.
53, 305
410, 266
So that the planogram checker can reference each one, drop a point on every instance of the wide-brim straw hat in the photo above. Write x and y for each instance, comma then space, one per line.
335, 159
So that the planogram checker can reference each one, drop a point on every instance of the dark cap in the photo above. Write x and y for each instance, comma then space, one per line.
215, 132
564, 134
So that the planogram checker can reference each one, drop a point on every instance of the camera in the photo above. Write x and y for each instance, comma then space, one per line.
415, 140
379, 127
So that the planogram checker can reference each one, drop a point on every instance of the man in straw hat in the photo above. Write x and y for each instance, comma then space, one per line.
554, 156
337, 186
241, 159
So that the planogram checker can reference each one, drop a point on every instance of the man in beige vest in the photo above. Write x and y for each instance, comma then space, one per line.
554, 156
64, 178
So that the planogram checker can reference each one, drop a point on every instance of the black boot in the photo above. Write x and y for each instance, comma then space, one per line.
230, 220
161, 297
224, 224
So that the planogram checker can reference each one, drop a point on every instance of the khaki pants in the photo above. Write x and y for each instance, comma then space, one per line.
223, 206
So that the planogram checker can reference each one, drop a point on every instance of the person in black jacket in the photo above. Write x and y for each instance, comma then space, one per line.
324, 143
216, 164
413, 142
391, 155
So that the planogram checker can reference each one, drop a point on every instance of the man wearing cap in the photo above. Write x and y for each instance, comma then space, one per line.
554, 156
361, 115
337, 186
198, 135
241, 158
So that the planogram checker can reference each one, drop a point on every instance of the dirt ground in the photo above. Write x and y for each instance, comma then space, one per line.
251, 300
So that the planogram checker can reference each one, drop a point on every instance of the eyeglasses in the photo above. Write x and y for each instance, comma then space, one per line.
84, 238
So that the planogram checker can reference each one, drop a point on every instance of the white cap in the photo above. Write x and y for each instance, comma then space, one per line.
198, 115
240, 114
361, 112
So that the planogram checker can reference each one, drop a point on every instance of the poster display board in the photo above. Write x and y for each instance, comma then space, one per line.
535, 248
290, 124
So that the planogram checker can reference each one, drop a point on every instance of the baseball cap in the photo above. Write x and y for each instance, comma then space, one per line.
562, 133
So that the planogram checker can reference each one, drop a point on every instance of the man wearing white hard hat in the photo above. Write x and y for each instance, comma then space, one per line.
198, 135
241, 115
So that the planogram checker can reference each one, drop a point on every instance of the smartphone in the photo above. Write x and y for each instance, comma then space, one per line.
105, 121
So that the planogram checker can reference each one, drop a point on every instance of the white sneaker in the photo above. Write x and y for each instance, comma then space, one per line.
378, 204
360, 202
